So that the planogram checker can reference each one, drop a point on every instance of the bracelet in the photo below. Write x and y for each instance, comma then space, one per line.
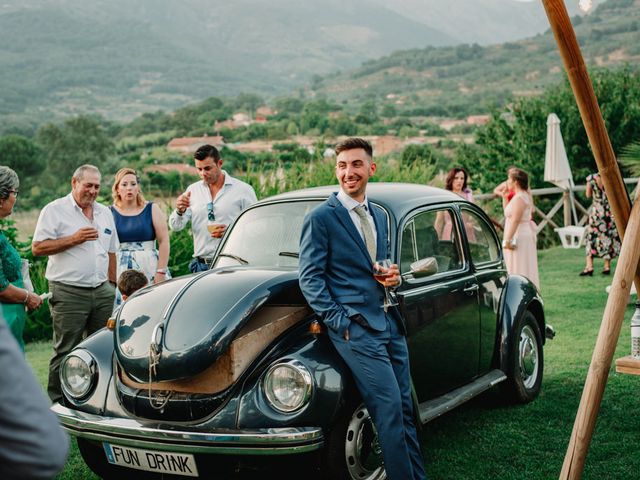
178, 213
162, 270
26, 299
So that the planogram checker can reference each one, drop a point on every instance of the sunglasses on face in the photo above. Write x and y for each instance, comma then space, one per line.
210, 216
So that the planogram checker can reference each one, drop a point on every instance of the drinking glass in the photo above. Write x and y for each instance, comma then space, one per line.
381, 273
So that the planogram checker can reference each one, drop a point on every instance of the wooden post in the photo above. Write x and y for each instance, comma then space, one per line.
627, 266
603, 352
566, 207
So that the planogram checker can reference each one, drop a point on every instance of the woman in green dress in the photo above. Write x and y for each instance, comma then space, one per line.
15, 300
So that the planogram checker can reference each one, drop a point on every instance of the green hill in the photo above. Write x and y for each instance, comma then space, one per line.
467, 79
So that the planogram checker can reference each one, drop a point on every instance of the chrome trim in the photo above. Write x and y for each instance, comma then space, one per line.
175, 438
302, 370
88, 358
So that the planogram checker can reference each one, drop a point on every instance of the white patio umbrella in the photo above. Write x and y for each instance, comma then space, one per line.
556, 163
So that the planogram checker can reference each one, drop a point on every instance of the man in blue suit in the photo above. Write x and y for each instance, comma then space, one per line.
340, 241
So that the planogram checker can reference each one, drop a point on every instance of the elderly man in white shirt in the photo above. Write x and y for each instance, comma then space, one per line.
79, 237
211, 205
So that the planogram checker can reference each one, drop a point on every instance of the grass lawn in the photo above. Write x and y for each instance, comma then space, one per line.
488, 439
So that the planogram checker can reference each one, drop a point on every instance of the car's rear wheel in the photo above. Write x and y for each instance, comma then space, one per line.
353, 451
526, 360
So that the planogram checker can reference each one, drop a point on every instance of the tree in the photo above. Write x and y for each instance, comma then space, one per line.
518, 136
22, 155
77, 141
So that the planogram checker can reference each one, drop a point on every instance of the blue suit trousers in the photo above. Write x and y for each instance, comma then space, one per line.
379, 361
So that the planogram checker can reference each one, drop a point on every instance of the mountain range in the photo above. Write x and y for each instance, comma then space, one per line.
121, 58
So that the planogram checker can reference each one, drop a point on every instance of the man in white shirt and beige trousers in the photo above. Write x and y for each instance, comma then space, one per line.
79, 237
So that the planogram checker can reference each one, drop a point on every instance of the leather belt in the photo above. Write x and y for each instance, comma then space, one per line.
206, 260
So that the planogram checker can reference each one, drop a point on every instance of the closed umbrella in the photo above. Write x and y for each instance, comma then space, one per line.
556, 163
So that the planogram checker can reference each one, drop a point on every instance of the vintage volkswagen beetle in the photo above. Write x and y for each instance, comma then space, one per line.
231, 363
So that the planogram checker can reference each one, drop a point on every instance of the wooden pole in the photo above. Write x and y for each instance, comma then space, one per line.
598, 374
627, 266
566, 208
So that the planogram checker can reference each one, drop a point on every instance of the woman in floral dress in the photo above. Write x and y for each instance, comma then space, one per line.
602, 238
140, 225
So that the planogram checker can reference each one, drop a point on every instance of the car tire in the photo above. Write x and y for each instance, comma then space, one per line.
352, 451
526, 360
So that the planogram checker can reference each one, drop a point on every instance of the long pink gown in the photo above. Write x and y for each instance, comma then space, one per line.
524, 259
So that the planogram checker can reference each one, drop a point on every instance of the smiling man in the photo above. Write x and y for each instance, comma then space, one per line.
79, 236
340, 241
210, 204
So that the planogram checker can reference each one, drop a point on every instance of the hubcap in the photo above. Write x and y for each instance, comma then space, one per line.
528, 355
362, 449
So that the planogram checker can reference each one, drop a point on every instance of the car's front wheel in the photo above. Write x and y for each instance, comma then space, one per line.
526, 360
353, 451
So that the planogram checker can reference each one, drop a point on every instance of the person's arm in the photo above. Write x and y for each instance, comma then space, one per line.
250, 198
518, 206
32, 443
113, 268
52, 246
439, 222
589, 191
162, 236
313, 267
500, 190
181, 215
13, 294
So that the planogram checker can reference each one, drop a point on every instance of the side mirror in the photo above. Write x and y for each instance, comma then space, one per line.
422, 268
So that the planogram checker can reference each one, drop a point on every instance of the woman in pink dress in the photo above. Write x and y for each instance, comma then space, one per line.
455, 182
519, 241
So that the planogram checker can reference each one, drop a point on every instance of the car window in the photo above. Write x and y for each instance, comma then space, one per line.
431, 234
482, 242
266, 236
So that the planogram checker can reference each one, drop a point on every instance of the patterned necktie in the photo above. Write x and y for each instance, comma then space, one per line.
369, 240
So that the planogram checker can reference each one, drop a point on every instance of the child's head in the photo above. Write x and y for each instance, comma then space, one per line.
130, 281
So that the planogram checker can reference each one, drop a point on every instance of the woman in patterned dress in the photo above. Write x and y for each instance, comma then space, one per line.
602, 236
139, 224
14, 297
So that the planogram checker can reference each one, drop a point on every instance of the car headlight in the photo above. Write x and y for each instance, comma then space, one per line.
288, 386
78, 374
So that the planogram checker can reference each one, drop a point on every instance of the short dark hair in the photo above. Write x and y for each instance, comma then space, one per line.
207, 151
520, 177
352, 143
452, 174
131, 281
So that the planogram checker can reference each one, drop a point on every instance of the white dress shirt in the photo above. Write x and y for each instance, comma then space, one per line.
84, 265
230, 201
350, 204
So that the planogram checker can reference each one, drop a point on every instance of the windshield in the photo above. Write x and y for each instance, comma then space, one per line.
266, 236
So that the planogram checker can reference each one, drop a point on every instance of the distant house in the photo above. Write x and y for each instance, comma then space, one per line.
191, 144
265, 112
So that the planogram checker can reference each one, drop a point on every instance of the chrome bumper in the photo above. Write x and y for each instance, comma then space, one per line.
175, 438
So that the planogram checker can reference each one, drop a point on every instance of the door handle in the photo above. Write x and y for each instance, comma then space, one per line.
471, 289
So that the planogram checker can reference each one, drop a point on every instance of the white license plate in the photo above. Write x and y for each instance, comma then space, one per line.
151, 460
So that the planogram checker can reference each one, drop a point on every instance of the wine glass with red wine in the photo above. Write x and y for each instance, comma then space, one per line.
381, 273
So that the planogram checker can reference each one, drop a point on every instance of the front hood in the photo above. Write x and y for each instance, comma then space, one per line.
185, 324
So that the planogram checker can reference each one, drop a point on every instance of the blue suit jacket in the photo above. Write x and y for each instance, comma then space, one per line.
336, 272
